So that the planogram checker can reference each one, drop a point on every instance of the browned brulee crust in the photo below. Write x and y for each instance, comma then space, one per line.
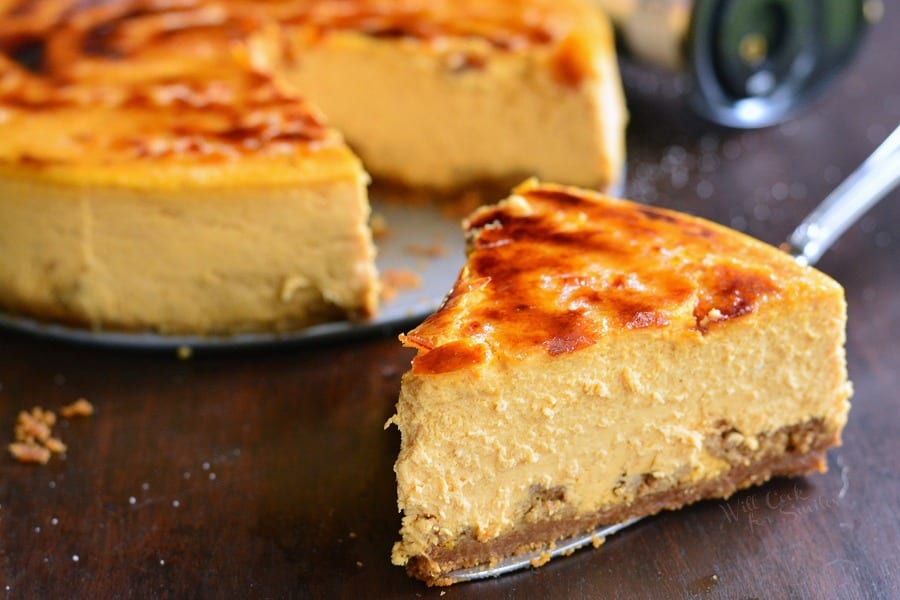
790, 451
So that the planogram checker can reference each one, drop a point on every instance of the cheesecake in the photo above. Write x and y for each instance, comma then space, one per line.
204, 205
599, 360
449, 93
182, 167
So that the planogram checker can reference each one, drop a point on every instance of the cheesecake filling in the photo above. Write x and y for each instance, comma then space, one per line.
794, 450
511, 117
186, 261
489, 448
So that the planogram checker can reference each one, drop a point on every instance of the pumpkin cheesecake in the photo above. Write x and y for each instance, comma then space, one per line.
168, 166
599, 360
445, 93
202, 205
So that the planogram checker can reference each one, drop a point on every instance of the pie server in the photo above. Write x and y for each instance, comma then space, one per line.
877, 176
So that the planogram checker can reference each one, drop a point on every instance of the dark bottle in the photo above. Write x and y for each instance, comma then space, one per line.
752, 63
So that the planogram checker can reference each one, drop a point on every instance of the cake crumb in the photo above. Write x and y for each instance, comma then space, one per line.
292, 284
713, 316
394, 281
352, 535
33, 441
379, 226
463, 205
34, 426
541, 560
359, 564
435, 250
597, 541
79, 408
184, 352
55, 445
29, 453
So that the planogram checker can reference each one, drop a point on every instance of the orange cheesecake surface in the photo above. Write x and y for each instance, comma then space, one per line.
553, 270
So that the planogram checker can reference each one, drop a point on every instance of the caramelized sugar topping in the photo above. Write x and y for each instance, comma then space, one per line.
556, 269
511, 24
193, 78
449, 357
116, 29
109, 82
508, 24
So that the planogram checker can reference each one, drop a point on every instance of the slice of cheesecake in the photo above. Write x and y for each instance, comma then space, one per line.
206, 205
599, 360
441, 94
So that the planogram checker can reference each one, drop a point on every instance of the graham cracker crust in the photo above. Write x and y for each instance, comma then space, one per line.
789, 451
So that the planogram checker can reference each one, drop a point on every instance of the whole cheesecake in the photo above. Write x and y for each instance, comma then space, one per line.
600, 360
168, 166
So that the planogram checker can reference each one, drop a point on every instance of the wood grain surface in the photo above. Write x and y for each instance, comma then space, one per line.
268, 473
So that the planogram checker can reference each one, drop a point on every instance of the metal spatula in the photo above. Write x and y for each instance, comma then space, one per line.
868, 184
877, 176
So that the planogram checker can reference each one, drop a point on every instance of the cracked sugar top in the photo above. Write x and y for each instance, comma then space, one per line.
554, 270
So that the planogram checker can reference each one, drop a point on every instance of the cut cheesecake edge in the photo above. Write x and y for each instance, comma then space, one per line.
478, 111
665, 360
199, 268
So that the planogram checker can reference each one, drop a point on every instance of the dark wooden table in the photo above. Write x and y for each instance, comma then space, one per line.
268, 473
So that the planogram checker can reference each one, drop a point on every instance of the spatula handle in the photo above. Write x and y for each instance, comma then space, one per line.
868, 184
